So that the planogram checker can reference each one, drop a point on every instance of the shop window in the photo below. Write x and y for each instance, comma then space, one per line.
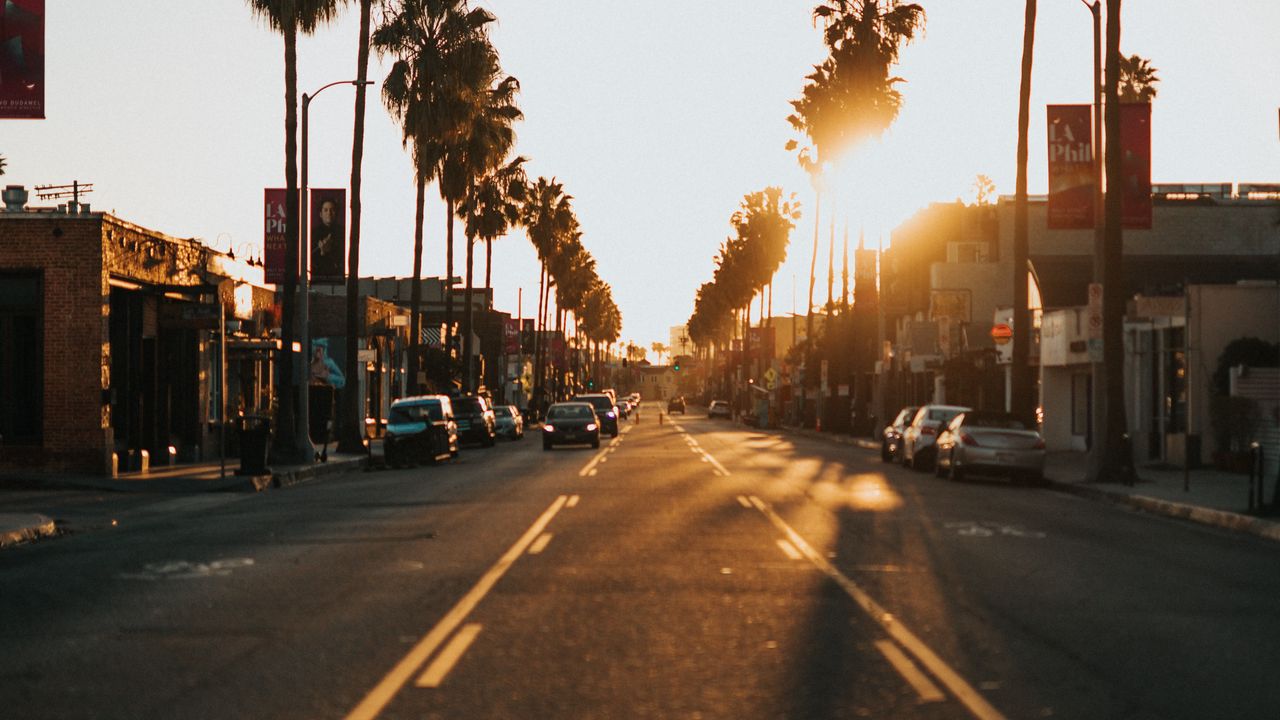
21, 359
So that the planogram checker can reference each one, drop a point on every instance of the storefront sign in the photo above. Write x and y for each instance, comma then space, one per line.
1072, 172
22, 59
274, 237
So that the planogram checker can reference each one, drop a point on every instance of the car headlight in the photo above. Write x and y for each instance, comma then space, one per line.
548, 428
591, 426
609, 414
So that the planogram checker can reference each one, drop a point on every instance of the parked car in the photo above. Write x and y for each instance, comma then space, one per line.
891, 437
475, 419
719, 408
571, 422
990, 442
606, 411
635, 399
420, 429
624, 409
676, 403
508, 421
918, 448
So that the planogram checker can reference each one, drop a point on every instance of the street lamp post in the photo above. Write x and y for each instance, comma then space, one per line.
303, 425
1097, 399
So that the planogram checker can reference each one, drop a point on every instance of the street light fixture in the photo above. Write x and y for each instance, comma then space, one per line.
302, 380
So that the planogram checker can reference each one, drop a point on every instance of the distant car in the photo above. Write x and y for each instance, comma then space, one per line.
891, 437
918, 449
624, 409
570, 422
676, 403
718, 408
990, 442
475, 419
508, 421
420, 429
606, 411
635, 399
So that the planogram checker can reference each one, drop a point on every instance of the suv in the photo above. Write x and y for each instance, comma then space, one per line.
475, 419
420, 429
676, 403
606, 411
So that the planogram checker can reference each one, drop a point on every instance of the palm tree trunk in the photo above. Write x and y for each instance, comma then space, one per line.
467, 318
448, 282
284, 448
538, 343
488, 264
415, 291
813, 267
351, 427
1021, 403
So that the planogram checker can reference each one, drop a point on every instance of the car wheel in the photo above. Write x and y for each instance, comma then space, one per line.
885, 455
956, 474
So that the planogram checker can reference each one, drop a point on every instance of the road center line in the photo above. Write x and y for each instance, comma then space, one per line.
585, 471
924, 687
540, 544
964, 692
743, 501
444, 662
573, 501
789, 550
386, 689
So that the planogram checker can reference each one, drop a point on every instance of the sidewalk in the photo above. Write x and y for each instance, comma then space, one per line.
1216, 498
26, 503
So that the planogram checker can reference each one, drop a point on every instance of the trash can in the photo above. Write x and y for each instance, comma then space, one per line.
255, 437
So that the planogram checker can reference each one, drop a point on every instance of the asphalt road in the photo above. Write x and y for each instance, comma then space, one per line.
692, 569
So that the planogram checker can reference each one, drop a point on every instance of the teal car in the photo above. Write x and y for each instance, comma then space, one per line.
421, 430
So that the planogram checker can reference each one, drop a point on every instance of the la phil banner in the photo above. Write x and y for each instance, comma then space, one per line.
1071, 168
22, 59
274, 239
1135, 170
511, 336
328, 236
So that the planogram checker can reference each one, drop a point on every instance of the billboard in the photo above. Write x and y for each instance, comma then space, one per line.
22, 59
1135, 166
274, 239
1072, 173
328, 230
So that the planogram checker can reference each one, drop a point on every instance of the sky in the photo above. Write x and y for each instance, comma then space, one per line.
657, 116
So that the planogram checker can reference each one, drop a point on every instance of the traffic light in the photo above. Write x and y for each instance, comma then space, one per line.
676, 367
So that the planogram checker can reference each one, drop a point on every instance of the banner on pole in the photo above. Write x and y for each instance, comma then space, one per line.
274, 238
1072, 174
328, 226
1135, 187
22, 59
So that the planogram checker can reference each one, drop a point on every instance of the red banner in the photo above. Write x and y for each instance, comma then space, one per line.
511, 336
1135, 171
328, 229
1071, 167
22, 59
274, 238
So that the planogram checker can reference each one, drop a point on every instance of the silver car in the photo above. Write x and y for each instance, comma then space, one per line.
990, 442
918, 449
508, 422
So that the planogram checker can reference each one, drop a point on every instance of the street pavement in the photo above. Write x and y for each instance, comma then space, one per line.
688, 569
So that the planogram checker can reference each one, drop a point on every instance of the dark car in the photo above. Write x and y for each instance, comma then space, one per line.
891, 437
475, 419
570, 422
420, 429
676, 403
606, 411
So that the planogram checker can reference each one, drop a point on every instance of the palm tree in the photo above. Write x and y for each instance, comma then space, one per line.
1021, 383
352, 412
439, 47
290, 17
548, 218
1137, 80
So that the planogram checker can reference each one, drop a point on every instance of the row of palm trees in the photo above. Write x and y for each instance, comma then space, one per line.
457, 110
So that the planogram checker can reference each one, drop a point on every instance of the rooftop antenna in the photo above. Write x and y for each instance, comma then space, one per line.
55, 192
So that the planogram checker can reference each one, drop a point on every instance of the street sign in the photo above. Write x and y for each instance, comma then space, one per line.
770, 379
1095, 311
1001, 333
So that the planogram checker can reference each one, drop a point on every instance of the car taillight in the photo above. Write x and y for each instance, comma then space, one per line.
926, 430
548, 428
967, 439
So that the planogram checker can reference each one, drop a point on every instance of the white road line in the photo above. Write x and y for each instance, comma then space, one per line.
594, 472
386, 689
743, 501
573, 501
788, 549
715, 463
444, 662
757, 502
964, 692
586, 470
924, 687
540, 544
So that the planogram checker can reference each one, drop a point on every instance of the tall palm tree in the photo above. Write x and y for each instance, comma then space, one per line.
480, 153
548, 218
352, 411
290, 17
1021, 382
1137, 80
440, 48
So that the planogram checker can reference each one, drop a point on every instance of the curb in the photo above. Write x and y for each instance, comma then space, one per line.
1224, 519
298, 476
22, 528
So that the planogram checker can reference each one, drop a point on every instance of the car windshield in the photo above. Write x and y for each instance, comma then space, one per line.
502, 411
599, 402
468, 406
569, 412
993, 420
416, 413
943, 415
